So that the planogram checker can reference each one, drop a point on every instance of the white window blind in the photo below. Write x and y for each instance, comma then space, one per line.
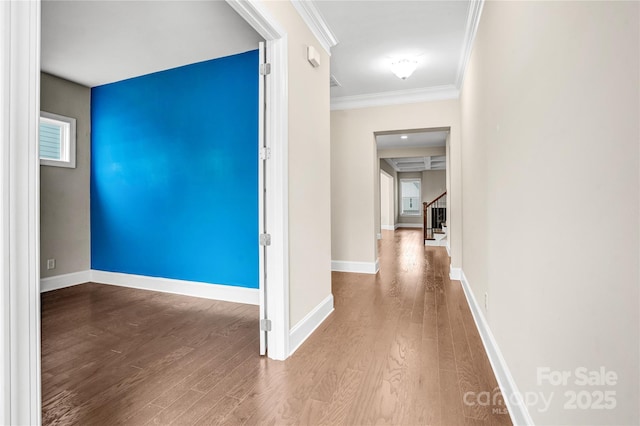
50, 138
57, 140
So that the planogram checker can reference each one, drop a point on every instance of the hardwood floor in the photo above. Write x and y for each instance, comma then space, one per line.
401, 348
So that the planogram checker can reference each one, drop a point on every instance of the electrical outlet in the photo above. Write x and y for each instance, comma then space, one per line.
379, 236
51, 264
486, 302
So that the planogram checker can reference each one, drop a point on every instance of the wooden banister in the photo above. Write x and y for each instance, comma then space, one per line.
425, 204
433, 218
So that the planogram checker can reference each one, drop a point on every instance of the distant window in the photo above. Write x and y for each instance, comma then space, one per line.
410, 193
57, 140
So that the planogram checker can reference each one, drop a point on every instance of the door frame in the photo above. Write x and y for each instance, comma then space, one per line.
20, 212
392, 195
20, 206
276, 176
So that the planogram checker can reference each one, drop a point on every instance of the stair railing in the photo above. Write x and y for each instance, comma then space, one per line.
434, 216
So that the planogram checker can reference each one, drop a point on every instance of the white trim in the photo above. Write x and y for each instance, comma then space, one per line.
388, 227
307, 325
67, 140
316, 23
258, 17
448, 248
408, 225
454, 273
512, 397
276, 179
393, 165
227, 293
435, 243
261, 194
398, 97
20, 213
277, 214
65, 280
355, 267
473, 19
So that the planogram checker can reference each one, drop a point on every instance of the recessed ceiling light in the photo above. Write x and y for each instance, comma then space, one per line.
404, 137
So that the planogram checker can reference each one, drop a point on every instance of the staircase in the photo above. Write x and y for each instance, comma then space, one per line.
434, 217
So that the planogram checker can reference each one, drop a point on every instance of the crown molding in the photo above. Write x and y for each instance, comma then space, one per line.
410, 96
473, 19
316, 23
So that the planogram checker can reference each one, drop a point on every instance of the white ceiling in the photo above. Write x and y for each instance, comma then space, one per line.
417, 164
99, 42
426, 139
372, 33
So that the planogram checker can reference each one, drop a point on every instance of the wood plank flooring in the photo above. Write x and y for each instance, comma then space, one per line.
401, 348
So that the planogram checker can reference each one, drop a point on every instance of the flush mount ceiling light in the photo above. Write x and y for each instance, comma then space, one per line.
403, 68
404, 137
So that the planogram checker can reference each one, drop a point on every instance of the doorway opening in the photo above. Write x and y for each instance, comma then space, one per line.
21, 336
387, 201
416, 161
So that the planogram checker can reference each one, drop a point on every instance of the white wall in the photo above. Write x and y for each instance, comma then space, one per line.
394, 196
550, 117
355, 172
387, 204
65, 233
448, 180
309, 177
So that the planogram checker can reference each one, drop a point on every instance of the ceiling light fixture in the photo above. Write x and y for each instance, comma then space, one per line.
403, 68
404, 137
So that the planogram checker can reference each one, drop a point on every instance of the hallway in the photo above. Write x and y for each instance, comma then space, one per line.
412, 336
401, 348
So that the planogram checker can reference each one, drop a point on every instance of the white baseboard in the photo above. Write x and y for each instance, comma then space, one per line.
388, 227
307, 325
408, 225
512, 396
356, 267
455, 273
226, 293
66, 280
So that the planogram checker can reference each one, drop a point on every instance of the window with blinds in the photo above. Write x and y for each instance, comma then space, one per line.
410, 194
57, 140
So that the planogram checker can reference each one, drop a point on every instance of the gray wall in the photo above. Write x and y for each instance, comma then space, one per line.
64, 192
434, 183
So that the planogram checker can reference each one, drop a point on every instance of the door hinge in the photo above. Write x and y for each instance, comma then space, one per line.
265, 239
265, 69
265, 153
265, 324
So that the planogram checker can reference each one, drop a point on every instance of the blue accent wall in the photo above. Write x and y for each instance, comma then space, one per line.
174, 173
